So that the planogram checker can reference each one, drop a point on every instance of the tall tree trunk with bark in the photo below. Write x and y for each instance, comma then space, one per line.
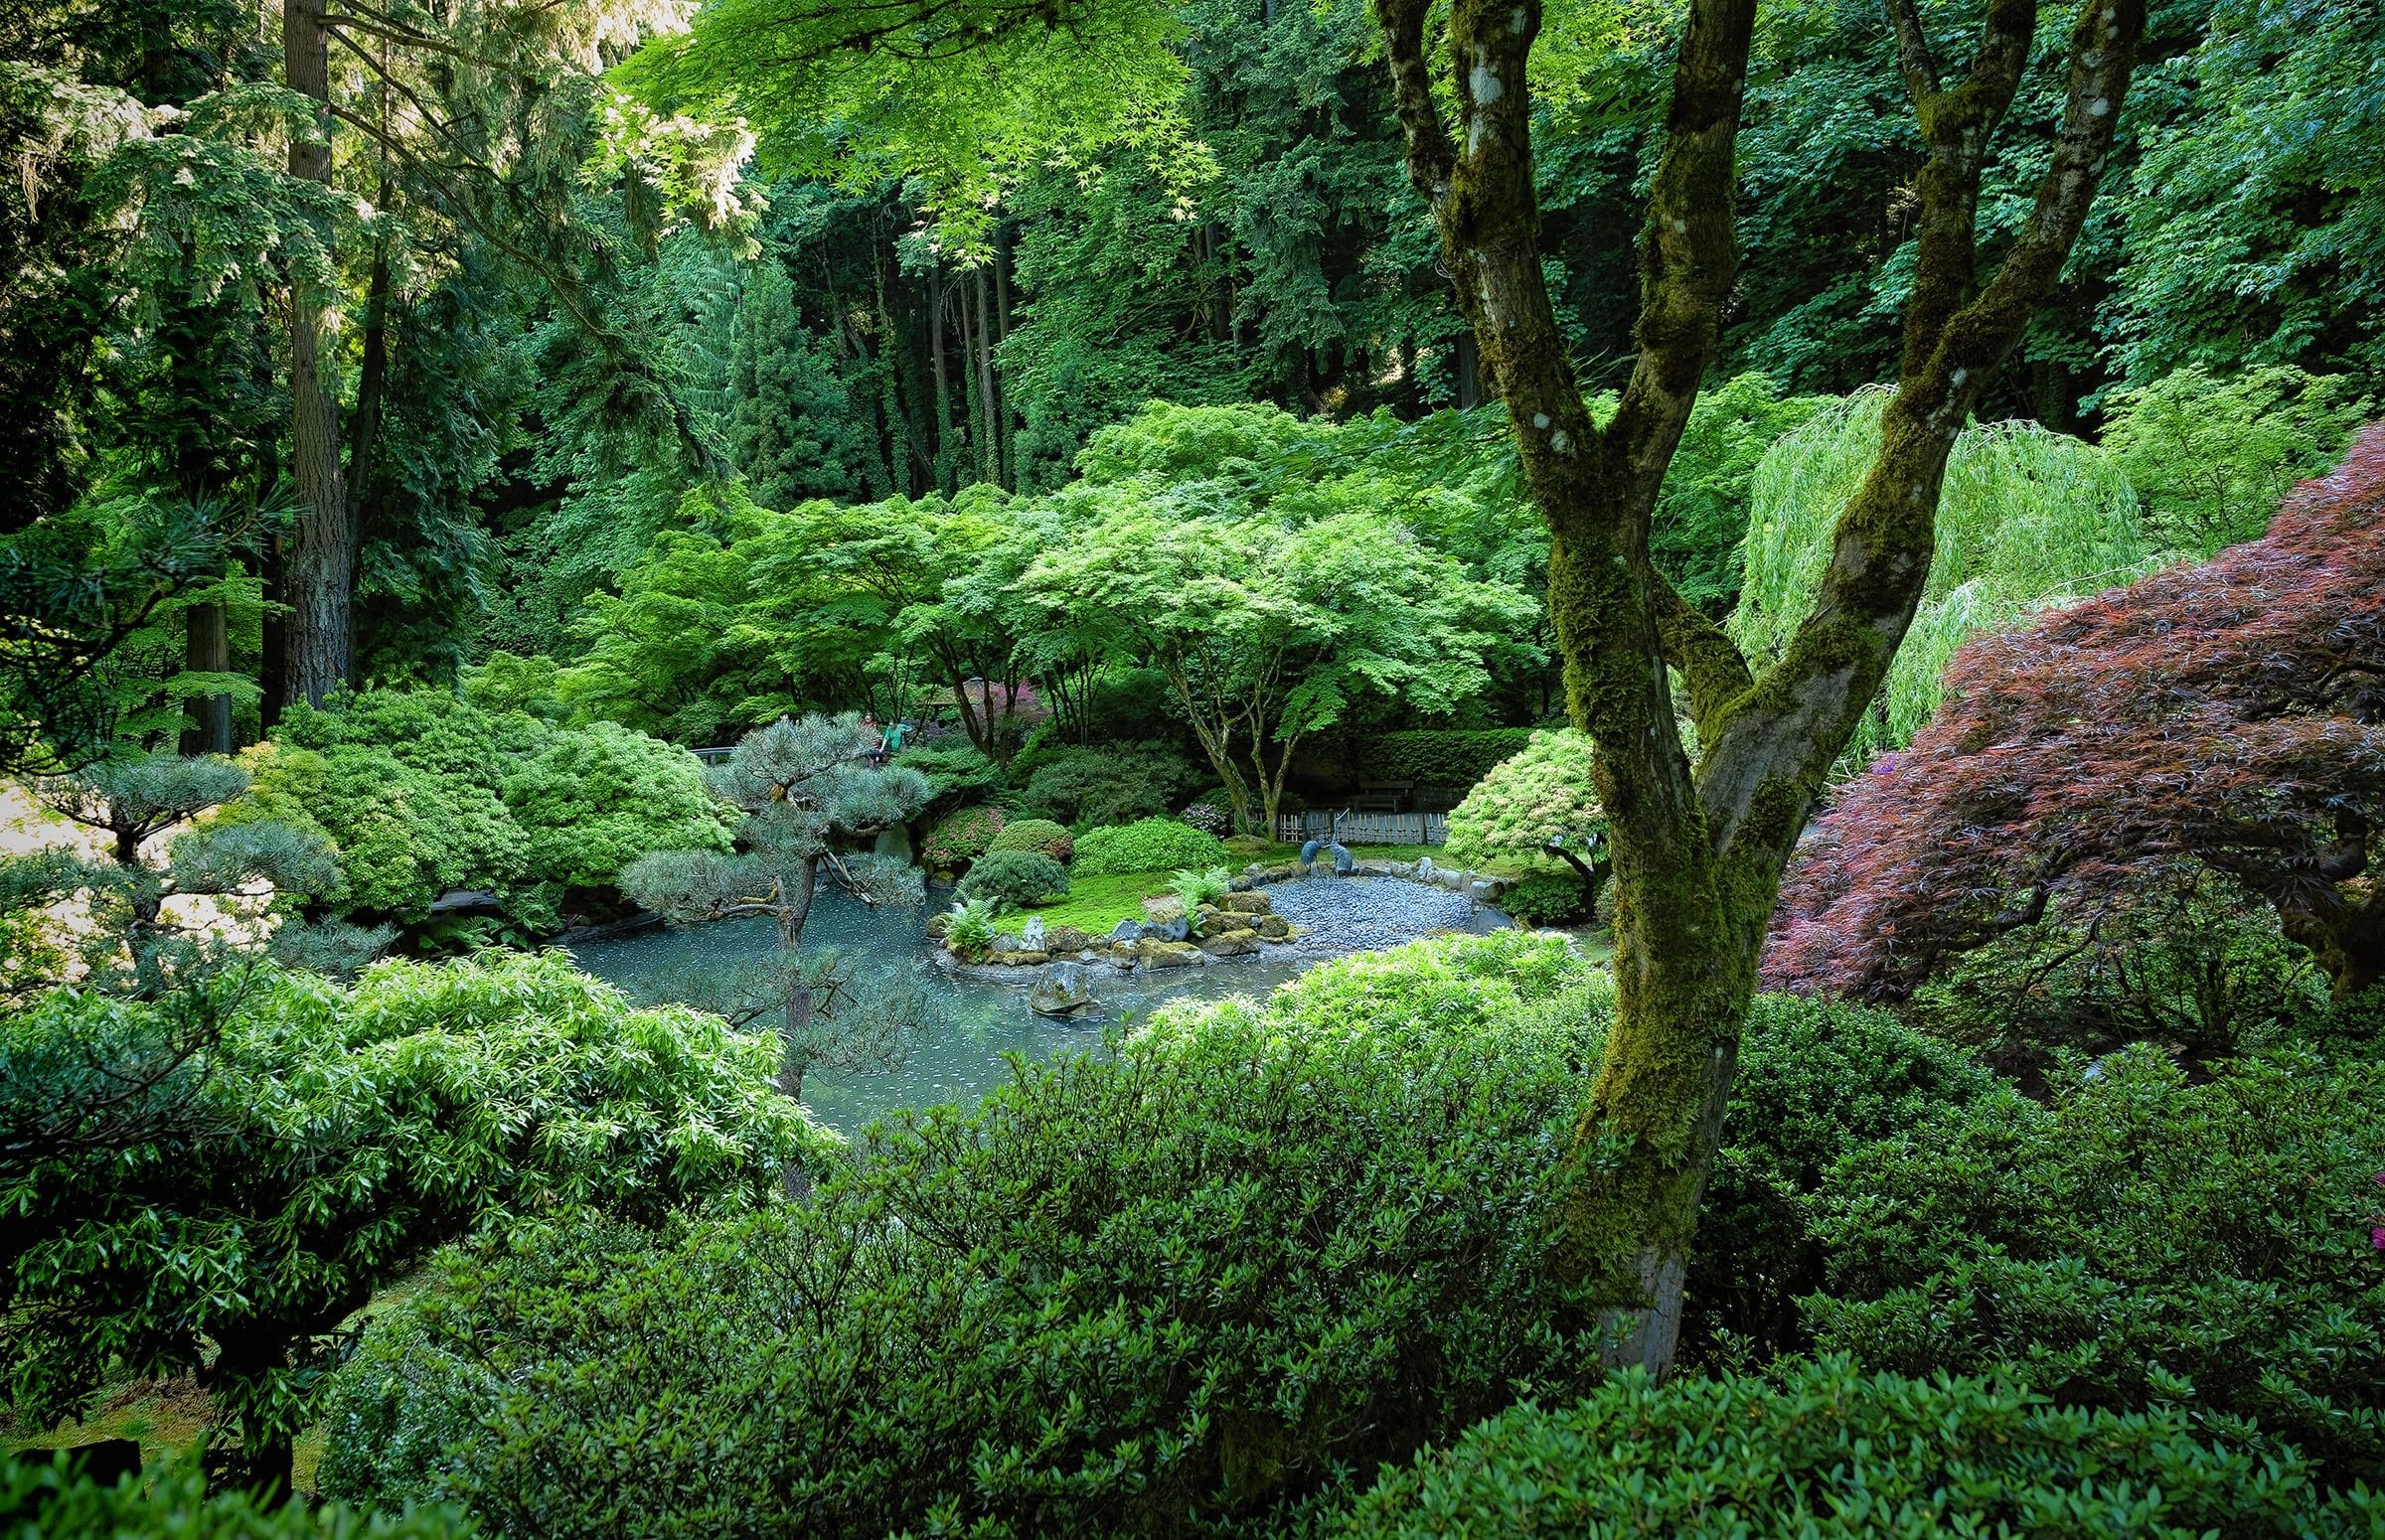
1002, 334
207, 648
935, 343
1698, 849
319, 561
989, 446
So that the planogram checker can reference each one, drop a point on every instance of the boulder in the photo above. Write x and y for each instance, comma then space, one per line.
1208, 917
1127, 930
1004, 945
1231, 942
1248, 903
1274, 927
938, 924
1026, 958
1066, 938
1424, 869
1066, 991
1155, 953
1160, 908
1483, 892
1031, 935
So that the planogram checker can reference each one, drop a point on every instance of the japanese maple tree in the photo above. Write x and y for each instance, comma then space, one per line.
2229, 715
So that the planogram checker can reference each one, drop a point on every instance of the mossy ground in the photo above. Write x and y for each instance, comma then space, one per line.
1093, 904
170, 1417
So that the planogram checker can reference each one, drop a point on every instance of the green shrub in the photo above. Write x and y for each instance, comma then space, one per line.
41, 1500
1814, 1081
1114, 784
1176, 1290
1543, 793
335, 1137
957, 773
597, 798
1825, 1450
423, 792
1022, 878
1041, 836
1545, 900
1153, 844
2214, 456
1439, 758
2145, 1240
961, 838
405, 835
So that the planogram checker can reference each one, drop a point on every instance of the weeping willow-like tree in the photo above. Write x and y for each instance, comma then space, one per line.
2029, 518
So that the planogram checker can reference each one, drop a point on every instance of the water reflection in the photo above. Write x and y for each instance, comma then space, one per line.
979, 1020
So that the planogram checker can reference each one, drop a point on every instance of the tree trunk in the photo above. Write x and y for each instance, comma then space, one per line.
2349, 942
1469, 370
989, 449
1697, 852
372, 374
273, 665
207, 648
1002, 334
320, 561
935, 343
263, 1466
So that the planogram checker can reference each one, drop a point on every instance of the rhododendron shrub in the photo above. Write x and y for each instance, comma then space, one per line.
2227, 718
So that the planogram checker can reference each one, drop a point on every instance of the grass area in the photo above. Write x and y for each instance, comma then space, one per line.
163, 1416
170, 1417
1093, 904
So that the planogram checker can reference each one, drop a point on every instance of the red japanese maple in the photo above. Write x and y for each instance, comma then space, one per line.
2230, 715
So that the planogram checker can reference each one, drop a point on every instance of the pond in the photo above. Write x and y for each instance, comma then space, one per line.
984, 1019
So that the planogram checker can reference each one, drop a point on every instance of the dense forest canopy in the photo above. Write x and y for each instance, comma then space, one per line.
554, 307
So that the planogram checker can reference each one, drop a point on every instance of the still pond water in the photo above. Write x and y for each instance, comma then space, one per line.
981, 1020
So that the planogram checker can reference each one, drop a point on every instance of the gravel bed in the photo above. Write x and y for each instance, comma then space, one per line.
1361, 914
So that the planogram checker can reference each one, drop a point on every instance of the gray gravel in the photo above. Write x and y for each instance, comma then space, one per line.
1360, 914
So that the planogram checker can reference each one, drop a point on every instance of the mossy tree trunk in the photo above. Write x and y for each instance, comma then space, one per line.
1698, 849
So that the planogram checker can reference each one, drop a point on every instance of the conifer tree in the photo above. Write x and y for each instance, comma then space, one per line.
811, 790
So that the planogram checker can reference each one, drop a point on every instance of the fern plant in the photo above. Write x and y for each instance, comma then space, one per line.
970, 930
1194, 888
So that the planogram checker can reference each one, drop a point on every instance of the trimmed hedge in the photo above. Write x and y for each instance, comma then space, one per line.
1153, 844
1040, 835
1825, 1450
1439, 758
1178, 1290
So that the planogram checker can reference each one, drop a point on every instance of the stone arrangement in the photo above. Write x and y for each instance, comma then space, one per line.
1238, 925
1241, 923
